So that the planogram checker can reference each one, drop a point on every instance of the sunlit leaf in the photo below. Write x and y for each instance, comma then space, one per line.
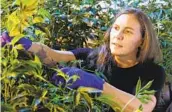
20, 102
89, 90
15, 52
88, 99
77, 97
38, 20
19, 46
59, 108
44, 13
37, 61
16, 39
12, 24
73, 78
28, 4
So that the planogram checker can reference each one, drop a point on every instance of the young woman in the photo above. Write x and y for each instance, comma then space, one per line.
129, 52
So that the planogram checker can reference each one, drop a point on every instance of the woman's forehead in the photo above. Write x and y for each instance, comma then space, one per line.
127, 20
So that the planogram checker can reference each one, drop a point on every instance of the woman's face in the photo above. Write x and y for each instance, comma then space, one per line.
125, 36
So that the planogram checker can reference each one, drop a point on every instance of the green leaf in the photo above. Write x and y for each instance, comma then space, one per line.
150, 92
35, 104
59, 109
107, 99
73, 78
88, 89
141, 107
19, 47
16, 39
4, 62
27, 3
60, 73
15, 53
7, 108
37, 62
88, 99
20, 102
138, 86
147, 86
44, 13
88, 2
77, 97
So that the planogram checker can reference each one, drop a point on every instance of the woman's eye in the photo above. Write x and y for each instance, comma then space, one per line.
128, 32
116, 27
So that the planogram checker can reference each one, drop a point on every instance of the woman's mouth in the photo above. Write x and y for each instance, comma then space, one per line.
117, 45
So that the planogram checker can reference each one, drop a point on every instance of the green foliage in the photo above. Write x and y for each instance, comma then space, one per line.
143, 94
25, 86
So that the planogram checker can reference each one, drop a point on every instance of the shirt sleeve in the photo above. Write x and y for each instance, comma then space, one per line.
155, 73
81, 53
157, 85
159, 80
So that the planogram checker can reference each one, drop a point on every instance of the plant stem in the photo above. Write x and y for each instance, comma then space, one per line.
128, 103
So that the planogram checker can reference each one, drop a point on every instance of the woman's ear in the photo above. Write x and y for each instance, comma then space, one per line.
141, 42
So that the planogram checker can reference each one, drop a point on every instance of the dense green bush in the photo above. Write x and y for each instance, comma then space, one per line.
64, 24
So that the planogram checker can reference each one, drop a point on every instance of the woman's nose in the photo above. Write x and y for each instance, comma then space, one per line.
120, 36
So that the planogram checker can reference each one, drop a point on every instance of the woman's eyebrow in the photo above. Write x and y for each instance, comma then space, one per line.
129, 28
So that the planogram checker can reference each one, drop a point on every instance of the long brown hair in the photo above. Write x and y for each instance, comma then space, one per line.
150, 49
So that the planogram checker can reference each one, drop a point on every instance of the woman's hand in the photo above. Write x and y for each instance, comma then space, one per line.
5, 39
85, 79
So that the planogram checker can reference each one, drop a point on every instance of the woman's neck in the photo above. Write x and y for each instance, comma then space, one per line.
125, 62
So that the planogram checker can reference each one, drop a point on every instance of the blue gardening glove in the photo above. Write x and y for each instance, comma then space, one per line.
25, 42
85, 79
5, 38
